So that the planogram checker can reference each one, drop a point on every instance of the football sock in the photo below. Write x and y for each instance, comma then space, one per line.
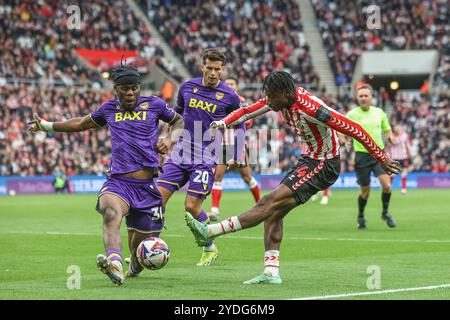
254, 188
272, 262
114, 255
385, 198
404, 183
361, 206
231, 224
216, 194
325, 192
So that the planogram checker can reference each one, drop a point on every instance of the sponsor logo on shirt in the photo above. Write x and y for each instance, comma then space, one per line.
131, 116
204, 105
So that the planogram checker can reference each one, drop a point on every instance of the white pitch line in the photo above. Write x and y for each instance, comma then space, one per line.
368, 293
57, 233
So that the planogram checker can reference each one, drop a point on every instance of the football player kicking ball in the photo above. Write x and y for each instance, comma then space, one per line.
201, 101
316, 170
130, 190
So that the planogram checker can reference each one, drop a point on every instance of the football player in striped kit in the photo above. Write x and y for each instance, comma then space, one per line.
401, 151
317, 169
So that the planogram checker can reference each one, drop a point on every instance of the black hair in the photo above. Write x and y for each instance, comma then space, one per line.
125, 74
279, 81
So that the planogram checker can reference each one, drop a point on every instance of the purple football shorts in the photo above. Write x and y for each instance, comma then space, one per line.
199, 176
146, 214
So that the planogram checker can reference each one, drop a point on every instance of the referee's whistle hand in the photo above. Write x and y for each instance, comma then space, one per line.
391, 166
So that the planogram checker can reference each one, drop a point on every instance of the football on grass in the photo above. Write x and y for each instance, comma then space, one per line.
153, 253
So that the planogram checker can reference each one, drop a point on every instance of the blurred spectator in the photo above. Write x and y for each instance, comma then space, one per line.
427, 121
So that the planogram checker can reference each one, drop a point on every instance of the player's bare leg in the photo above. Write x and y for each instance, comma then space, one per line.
271, 208
193, 205
166, 194
385, 182
134, 239
216, 192
112, 208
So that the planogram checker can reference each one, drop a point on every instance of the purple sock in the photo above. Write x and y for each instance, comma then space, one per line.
114, 255
203, 217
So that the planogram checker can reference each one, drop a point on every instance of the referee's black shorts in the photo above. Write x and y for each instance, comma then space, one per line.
311, 176
365, 164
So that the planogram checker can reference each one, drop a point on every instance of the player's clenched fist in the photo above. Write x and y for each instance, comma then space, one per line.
162, 147
39, 124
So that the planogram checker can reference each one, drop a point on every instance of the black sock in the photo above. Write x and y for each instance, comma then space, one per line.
361, 205
385, 198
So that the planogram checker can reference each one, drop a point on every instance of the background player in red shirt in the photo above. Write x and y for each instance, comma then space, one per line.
400, 150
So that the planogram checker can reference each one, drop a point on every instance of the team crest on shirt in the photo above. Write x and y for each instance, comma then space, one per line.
219, 95
118, 107
195, 90
144, 105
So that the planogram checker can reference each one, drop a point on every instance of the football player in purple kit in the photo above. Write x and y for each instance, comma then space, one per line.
130, 190
200, 101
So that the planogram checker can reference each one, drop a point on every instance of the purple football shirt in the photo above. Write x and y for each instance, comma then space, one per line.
199, 106
134, 134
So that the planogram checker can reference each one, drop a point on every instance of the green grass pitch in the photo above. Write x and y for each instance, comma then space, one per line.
322, 253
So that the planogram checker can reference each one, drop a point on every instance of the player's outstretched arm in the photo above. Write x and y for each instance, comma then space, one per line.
241, 115
71, 125
345, 125
351, 128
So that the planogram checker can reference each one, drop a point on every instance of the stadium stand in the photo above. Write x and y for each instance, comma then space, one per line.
258, 36
406, 24
37, 44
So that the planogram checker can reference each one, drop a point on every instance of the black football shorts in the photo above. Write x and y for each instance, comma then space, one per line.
364, 165
311, 176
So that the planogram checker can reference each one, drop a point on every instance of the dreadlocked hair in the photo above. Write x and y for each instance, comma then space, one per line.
279, 81
122, 71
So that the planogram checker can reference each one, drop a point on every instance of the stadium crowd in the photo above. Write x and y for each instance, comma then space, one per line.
404, 24
257, 36
37, 45
426, 120
38, 39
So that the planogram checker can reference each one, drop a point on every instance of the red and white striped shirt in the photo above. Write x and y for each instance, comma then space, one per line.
401, 147
315, 123
228, 134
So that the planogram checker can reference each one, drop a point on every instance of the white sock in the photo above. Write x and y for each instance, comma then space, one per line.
253, 183
231, 224
272, 263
